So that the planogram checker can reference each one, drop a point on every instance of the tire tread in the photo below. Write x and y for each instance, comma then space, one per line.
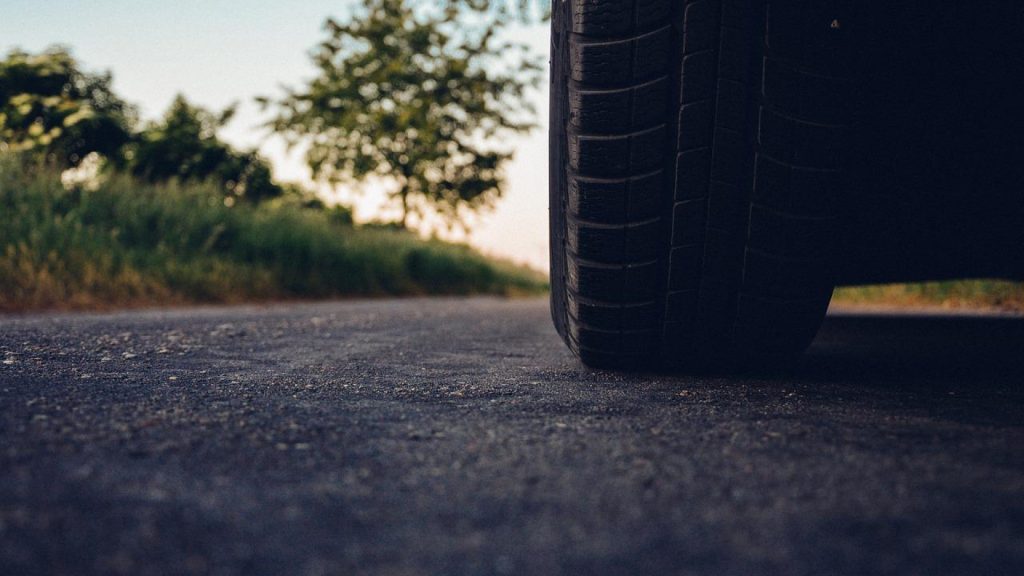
701, 152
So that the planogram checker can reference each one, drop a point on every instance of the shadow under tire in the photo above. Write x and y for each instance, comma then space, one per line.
695, 153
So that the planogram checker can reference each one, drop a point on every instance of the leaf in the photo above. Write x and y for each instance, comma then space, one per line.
83, 113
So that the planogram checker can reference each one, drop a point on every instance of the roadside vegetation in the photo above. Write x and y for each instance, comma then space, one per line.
132, 243
960, 294
100, 208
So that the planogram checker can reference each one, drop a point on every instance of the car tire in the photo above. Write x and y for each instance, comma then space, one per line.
696, 149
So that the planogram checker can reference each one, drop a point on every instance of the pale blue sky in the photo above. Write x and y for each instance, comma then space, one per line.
223, 51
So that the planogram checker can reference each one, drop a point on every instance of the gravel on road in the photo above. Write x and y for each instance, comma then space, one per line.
459, 436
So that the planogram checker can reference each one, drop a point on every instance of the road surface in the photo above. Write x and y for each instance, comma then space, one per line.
457, 436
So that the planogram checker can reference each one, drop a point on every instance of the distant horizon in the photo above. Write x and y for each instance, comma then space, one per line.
155, 51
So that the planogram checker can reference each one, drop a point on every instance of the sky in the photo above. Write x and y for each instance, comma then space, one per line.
220, 52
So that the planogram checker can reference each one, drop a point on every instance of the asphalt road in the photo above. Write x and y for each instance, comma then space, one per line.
459, 437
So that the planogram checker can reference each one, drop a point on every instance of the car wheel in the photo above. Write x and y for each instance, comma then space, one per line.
695, 153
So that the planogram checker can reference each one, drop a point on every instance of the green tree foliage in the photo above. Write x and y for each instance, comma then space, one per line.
413, 97
524, 10
52, 110
184, 146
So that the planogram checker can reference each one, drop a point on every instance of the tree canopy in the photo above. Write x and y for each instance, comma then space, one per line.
184, 146
410, 96
524, 10
52, 110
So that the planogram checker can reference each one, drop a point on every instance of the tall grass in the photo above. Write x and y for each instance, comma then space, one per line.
127, 243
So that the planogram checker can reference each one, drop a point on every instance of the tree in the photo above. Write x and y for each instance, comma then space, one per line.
412, 97
52, 110
524, 10
184, 146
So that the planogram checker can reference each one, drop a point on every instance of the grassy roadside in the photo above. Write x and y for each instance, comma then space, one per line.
960, 294
132, 244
